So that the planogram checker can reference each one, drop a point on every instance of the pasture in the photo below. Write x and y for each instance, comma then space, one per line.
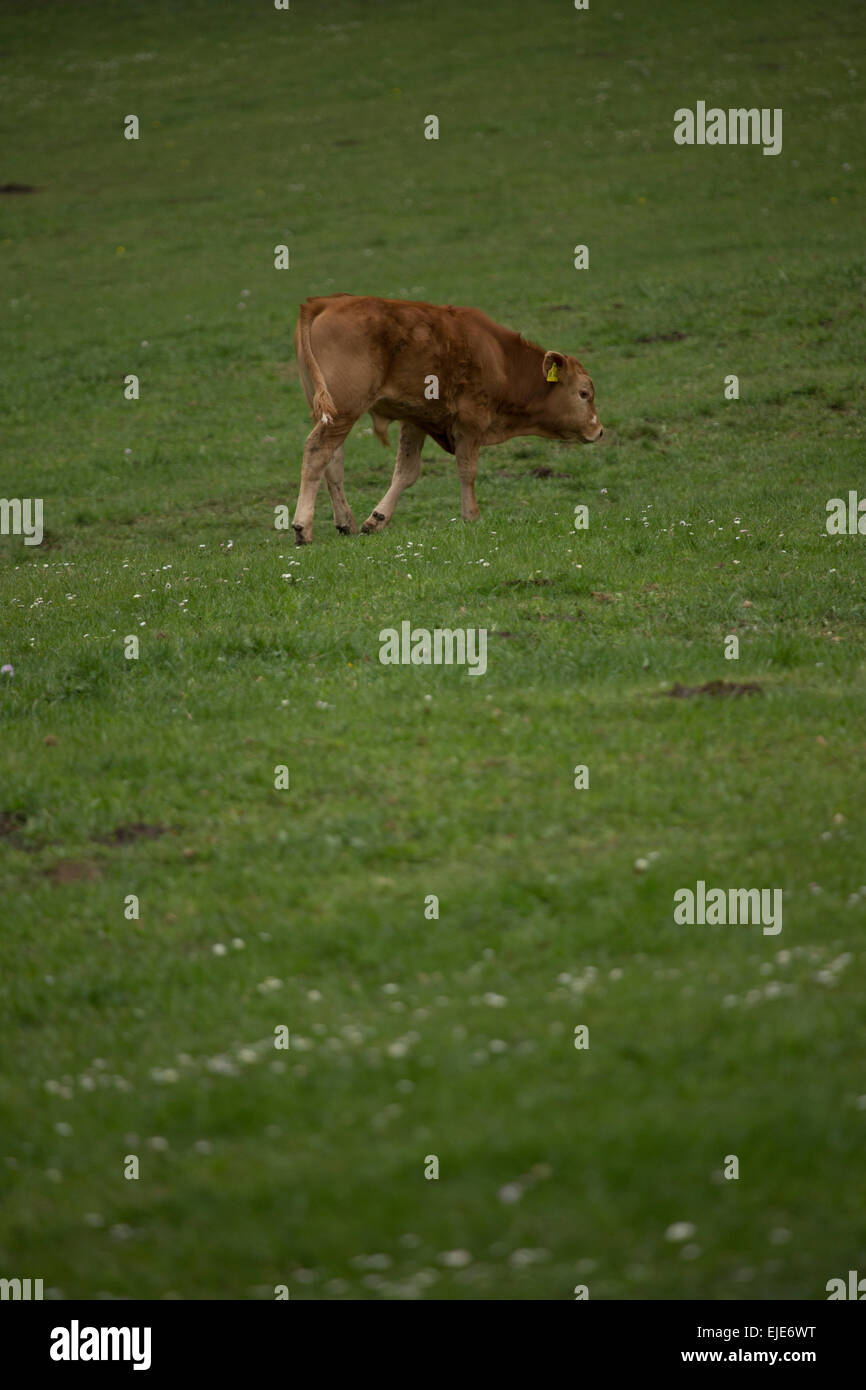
304, 908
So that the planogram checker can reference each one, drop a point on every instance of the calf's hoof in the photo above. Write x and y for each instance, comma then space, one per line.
376, 521
303, 534
350, 528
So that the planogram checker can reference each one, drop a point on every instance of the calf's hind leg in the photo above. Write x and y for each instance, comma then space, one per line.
343, 518
323, 442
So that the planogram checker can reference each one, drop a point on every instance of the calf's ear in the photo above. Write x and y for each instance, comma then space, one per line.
553, 366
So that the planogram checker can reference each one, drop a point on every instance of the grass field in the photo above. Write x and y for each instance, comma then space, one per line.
305, 907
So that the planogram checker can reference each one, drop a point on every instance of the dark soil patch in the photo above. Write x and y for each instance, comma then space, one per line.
17, 188
10, 823
526, 583
543, 471
685, 692
675, 337
126, 834
73, 871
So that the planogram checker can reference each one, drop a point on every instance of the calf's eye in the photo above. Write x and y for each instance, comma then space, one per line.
584, 395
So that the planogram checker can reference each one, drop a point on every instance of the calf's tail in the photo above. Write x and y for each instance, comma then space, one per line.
324, 409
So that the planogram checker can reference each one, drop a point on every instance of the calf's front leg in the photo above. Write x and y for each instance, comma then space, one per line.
406, 472
467, 468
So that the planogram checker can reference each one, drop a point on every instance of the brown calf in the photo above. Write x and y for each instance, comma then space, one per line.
451, 373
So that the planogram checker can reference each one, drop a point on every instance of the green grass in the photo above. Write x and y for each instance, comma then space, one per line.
706, 519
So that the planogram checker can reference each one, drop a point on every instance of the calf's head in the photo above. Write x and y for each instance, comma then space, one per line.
569, 412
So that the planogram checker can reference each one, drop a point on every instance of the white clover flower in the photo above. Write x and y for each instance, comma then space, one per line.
679, 1230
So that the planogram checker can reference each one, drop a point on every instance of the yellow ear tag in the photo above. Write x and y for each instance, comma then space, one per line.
553, 374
